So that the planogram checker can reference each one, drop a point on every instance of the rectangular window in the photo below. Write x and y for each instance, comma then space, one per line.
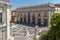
0, 17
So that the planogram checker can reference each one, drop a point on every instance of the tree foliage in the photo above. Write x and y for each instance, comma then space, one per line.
54, 32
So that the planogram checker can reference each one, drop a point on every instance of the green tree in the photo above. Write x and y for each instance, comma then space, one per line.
54, 32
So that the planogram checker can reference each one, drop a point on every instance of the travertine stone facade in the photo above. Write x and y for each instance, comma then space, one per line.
5, 17
39, 14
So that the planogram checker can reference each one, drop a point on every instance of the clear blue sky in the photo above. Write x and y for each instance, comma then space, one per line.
21, 3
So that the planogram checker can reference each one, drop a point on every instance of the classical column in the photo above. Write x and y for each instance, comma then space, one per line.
8, 22
42, 18
36, 19
26, 17
22, 17
31, 14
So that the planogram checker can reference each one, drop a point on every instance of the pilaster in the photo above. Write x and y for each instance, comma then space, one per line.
8, 22
26, 17
42, 18
36, 20
31, 14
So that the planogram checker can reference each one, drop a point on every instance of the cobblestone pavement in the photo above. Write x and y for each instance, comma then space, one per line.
23, 32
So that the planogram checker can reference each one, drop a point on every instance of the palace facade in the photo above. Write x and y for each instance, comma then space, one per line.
39, 14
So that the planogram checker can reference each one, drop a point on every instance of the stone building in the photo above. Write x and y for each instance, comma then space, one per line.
38, 14
5, 17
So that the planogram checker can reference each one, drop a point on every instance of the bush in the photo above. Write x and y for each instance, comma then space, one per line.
44, 36
54, 32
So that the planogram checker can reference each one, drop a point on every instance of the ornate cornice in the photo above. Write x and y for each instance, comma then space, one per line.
2, 2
